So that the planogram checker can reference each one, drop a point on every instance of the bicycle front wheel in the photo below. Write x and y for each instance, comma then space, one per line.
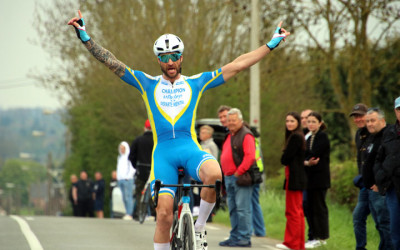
187, 233
144, 205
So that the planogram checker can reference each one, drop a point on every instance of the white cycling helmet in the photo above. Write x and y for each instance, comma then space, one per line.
168, 43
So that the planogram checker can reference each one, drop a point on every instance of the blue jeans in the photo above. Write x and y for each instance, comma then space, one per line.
371, 202
393, 206
258, 218
239, 204
380, 213
126, 187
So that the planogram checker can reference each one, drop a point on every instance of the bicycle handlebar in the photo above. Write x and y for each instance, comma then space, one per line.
216, 186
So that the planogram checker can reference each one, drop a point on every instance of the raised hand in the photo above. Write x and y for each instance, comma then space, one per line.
279, 35
80, 27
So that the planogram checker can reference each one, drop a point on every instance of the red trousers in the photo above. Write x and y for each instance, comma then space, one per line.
295, 225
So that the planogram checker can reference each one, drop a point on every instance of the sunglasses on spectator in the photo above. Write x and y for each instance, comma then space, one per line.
374, 109
174, 57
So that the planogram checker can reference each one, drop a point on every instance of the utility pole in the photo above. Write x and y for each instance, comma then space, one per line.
49, 183
255, 69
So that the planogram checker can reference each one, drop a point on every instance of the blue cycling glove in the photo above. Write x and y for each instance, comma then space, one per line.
81, 31
276, 39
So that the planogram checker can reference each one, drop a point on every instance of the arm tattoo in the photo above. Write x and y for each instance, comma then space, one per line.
106, 57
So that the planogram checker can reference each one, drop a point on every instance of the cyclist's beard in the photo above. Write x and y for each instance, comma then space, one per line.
178, 71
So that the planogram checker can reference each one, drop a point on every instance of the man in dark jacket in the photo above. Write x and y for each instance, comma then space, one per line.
140, 156
387, 174
361, 211
82, 193
74, 180
376, 124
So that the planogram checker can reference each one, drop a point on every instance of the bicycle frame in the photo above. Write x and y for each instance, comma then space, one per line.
184, 209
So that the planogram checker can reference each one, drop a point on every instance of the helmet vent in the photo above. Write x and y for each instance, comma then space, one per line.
167, 43
175, 47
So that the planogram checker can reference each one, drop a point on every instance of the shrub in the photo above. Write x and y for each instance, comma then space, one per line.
342, 189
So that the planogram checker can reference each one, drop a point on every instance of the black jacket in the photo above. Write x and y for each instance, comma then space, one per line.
361, 137
318, 176
372, 145
140, 155
293, 157
387, 164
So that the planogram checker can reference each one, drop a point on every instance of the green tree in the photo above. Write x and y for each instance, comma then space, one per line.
20, 174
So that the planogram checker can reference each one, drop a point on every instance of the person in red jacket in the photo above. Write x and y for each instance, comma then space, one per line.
241, 140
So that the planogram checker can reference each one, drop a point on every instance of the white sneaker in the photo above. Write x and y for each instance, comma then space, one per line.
281, 246
315, 243
127, 217
201, 242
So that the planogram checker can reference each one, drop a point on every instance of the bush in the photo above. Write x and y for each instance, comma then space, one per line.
342, 189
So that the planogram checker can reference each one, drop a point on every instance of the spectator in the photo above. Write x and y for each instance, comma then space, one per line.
362, 210
207, 142
113, 184
99, 187
387, 174
125, 172
318, 180
74, 179
223, 115
304, 114
256, 212
140, 156
82, 194
295, 182
376, 124
238, 154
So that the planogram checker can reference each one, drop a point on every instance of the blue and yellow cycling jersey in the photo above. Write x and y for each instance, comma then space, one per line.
172, 113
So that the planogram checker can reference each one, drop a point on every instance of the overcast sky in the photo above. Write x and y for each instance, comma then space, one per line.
19, 57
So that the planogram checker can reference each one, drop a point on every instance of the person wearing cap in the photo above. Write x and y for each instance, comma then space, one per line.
387, 173
140, 156
361, 211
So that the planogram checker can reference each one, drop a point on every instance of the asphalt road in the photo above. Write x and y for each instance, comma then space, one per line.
59, 233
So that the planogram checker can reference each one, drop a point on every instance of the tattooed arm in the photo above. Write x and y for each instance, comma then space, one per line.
100, 53
106, 57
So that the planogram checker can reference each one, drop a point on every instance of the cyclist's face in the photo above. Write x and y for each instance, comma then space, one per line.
234, 123
171, 69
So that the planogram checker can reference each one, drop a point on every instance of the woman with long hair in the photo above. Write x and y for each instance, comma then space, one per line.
318, 176
295, 182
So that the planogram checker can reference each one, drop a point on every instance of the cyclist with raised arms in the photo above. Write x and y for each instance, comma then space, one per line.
171, 100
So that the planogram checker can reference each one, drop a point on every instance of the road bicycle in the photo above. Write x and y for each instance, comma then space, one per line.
183, 234
145, 201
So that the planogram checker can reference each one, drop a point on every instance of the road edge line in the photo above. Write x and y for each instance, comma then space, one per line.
29, 235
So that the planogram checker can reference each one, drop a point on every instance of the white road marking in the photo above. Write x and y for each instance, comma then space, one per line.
29, 235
